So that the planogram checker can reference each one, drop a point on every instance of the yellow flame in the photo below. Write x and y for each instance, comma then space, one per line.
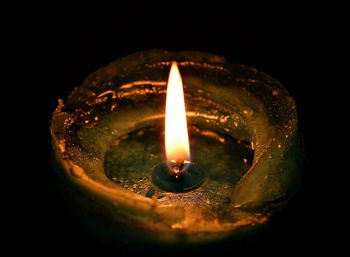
176, 134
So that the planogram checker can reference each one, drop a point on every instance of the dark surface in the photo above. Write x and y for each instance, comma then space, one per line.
73, 43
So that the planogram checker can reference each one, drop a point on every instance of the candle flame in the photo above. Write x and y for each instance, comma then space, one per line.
176, 135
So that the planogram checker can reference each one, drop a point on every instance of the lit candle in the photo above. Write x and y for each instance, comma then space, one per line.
179, 174
176, 135
241, 125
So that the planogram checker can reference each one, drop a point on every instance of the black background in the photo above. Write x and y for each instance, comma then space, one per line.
67, 44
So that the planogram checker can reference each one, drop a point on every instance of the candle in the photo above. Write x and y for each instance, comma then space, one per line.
227, 158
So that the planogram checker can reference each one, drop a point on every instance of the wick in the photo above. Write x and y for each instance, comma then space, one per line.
178, 168
178, 176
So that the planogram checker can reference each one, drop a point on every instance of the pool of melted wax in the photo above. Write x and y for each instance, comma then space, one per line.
130, 161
